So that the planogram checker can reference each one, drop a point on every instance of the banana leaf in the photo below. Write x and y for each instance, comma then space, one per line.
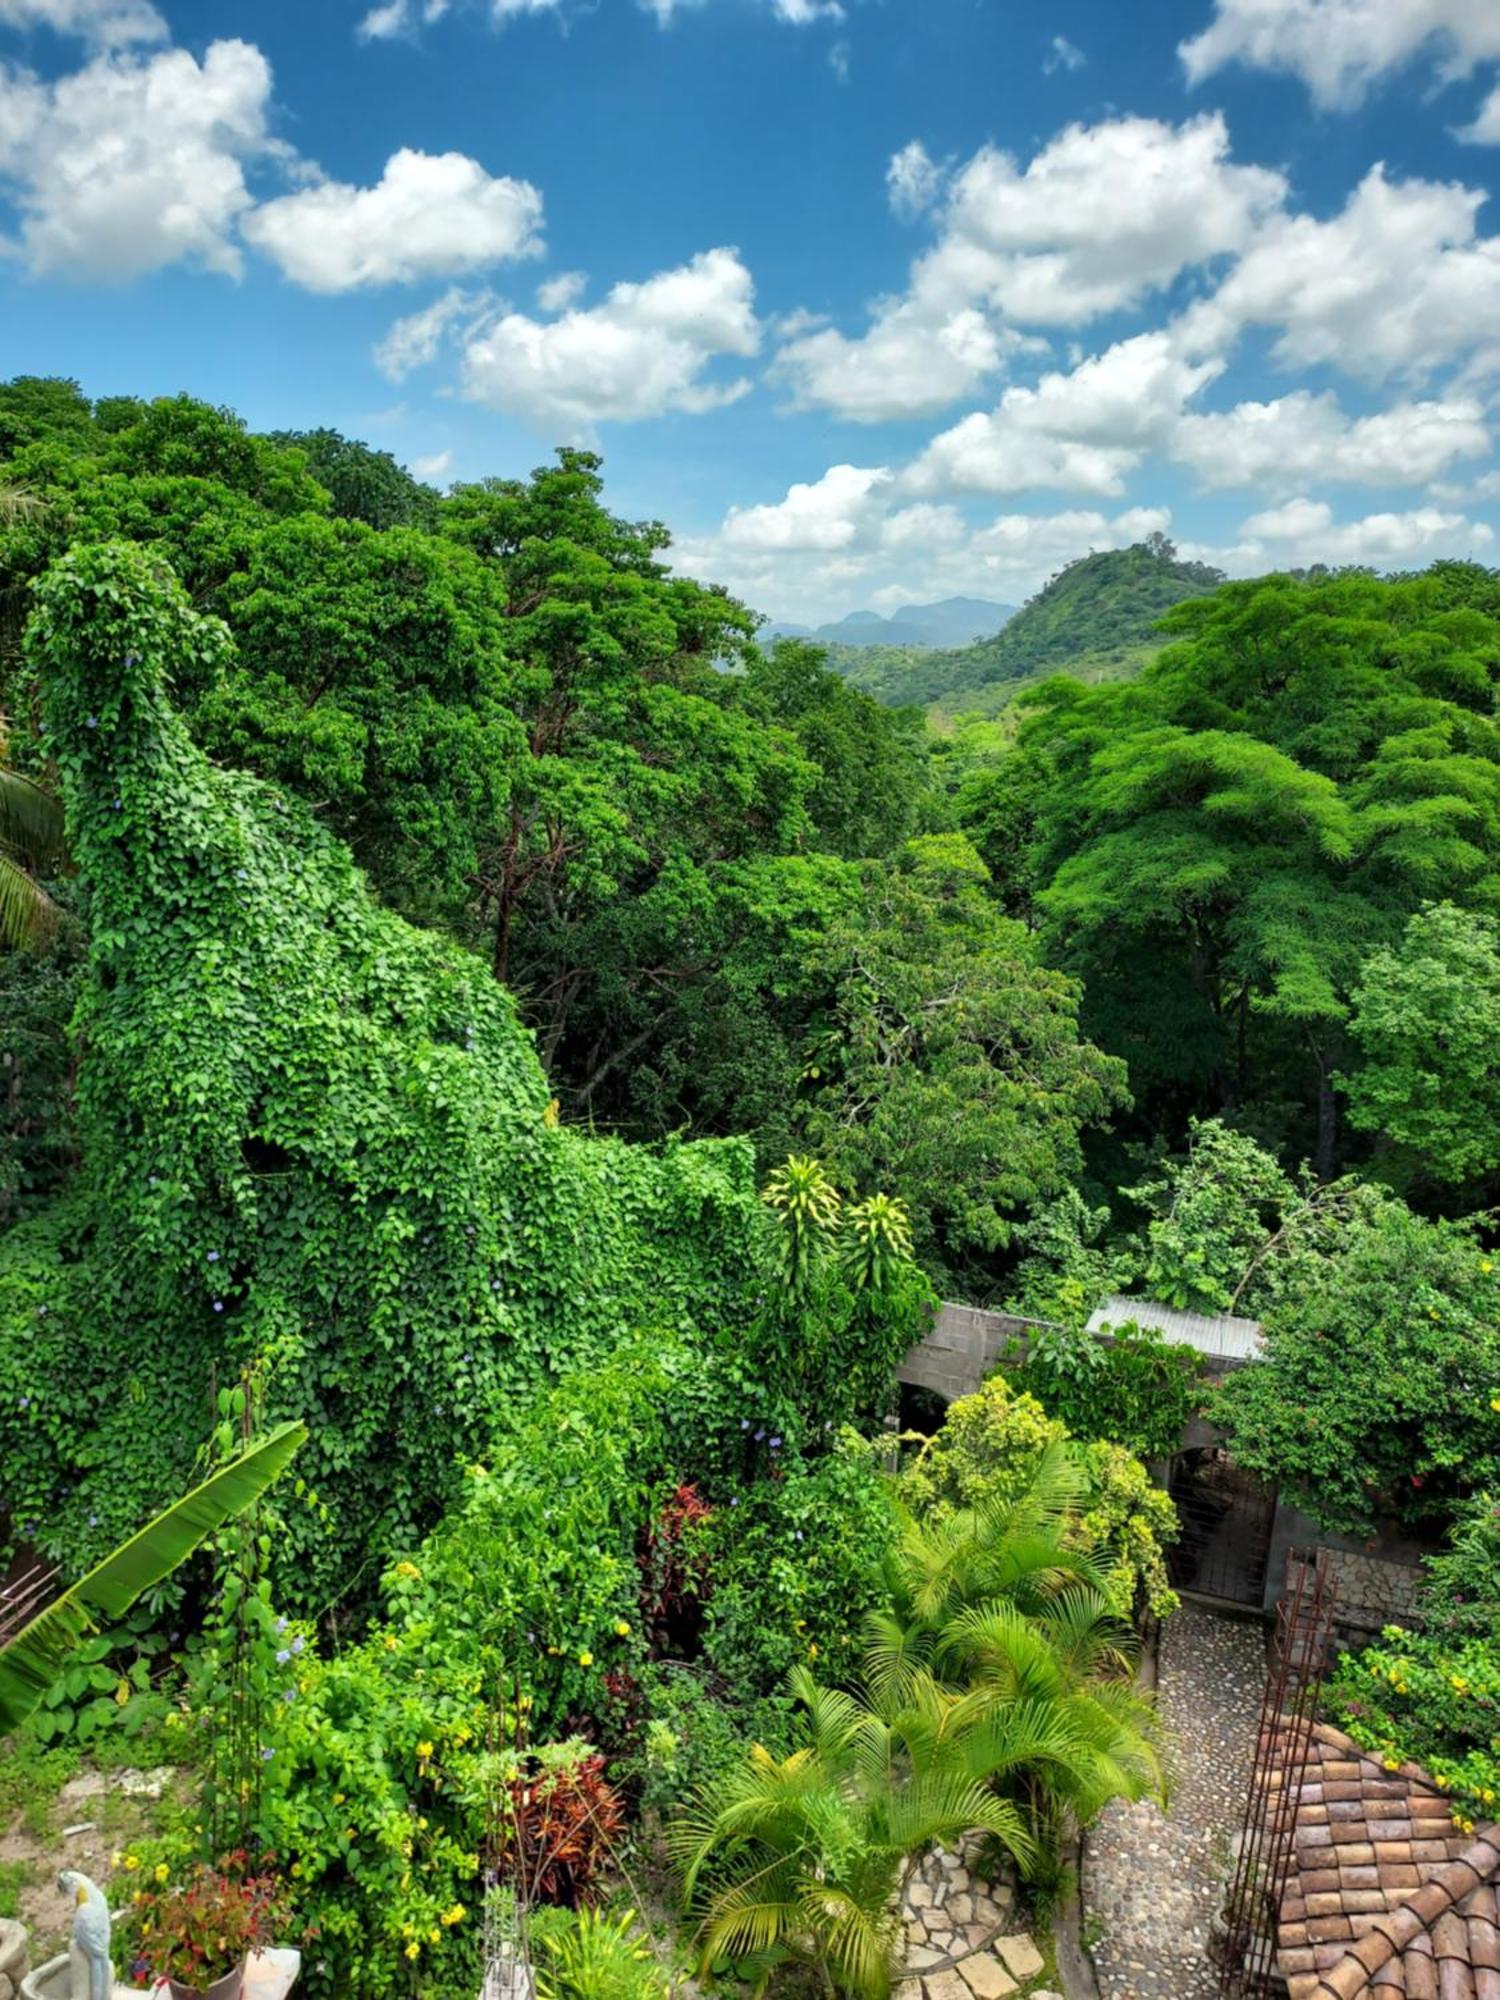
34, 1658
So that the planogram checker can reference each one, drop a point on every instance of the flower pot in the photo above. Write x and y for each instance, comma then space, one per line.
227, 1988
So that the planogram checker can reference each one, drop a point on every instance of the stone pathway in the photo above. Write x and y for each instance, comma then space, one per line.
952, 1918
1152, 1881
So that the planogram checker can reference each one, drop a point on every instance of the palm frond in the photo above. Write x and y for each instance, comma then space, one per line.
28, 914
31, 819
32, 1659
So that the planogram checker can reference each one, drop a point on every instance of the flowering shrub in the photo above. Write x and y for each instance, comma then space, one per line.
560, 1824
197, 1930
1433, 1700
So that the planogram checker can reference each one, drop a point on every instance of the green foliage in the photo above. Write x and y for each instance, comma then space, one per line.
1220, 845
38, 992
364, 484
1431, 1699
689, 1741
986, 1456
1379, 1394
796, 1562
35, 1656
1462, 1595
310, 1135
800, 1858
951, 1071
1103, 608
1426, 1015
595, 1955
1135, 1388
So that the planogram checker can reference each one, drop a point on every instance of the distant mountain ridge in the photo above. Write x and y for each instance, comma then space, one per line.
952, 621
1097, 618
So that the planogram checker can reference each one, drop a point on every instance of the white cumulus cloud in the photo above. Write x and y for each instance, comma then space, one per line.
1305, 531
555, 295
1082, 431
1340, 47
108, 23
1399, 282
134, 163
913, 180
828, 513
1304, 437
414, 340
647, 349
429, 215
1099, 219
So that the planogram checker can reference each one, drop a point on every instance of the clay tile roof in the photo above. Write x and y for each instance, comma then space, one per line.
1386, 1896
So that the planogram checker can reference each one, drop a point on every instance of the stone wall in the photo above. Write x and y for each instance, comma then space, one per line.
1375, 1591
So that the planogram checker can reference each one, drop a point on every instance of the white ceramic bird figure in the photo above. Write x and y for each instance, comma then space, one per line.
93, 1975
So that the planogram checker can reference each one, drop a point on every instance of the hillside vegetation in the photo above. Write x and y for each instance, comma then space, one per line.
1097, 619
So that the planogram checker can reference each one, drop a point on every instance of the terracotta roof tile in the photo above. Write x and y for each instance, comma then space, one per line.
1386, 1897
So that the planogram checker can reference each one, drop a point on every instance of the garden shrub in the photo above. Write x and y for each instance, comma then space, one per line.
1135, 1389
595, 1956
797, 1562
1434, 1696
309, 1134
985, 1456
1434, 1700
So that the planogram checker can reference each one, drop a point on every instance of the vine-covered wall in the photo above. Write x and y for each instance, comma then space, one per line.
310, 1134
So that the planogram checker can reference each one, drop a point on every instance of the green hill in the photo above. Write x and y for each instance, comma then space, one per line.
1096, 618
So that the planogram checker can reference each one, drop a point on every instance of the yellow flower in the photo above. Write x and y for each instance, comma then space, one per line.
122, 1693
338, 1798
432, 1937
622, 1630
554, 1649
414, 1950
390, 1642
454, 1916
424, 1750
1495, 1402
812, 1651
409, 1569
132, 1861
117, 1859
523, 1702
1391, 1764
161, 1871
585, 1659
1441, 1782
139, 1896
1486, 1266
422, 1824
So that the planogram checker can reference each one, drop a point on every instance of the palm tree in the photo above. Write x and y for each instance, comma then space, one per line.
995, 1607
997, 1697
807, 1853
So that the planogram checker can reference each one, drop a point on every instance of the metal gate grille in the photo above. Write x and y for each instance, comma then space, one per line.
1224, 1545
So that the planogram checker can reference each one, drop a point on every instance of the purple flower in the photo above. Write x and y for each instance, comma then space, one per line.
242, 874
25, 1402
119, 803
93, 1520
776, 1444
283, 1654
799, 1534
298, 1643
744, 1423
91, 722
759, 1437
289, 1694
132, 659
218, 1305
280, 1624
213, 1256
267, 1754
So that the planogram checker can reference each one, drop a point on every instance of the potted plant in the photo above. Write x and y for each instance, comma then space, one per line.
200, 1934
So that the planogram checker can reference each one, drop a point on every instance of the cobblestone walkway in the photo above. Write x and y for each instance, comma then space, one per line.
1151, 1880
953, 1952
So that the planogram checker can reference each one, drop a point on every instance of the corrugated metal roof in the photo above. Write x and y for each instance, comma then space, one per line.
1220, 1334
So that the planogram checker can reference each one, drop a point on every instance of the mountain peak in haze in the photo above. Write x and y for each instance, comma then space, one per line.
952, 621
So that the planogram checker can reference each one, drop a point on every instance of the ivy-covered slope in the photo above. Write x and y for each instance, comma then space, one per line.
309, 1133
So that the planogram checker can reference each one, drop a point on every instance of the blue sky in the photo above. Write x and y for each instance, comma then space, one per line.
869, 302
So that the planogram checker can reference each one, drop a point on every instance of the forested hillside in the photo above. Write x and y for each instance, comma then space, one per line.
1097, 619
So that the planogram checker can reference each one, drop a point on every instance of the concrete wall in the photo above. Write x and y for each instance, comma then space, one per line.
963, 1347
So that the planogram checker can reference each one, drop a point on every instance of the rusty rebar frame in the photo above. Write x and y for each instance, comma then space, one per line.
1288, 1710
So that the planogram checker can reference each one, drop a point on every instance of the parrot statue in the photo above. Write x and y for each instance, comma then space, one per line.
93, 1975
